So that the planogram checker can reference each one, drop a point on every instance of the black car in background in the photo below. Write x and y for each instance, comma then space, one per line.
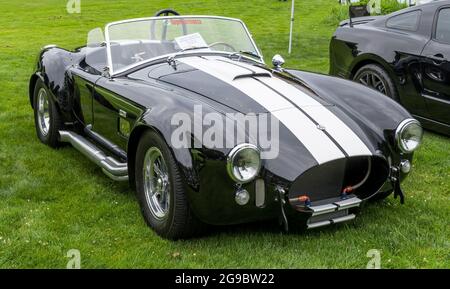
405, 55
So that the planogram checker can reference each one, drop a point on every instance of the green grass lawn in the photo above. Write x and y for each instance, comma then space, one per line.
55, 200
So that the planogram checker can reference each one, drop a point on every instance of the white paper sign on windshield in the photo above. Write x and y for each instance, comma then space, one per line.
190, 41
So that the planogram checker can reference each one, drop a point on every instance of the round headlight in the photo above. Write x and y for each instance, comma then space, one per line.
244, 163
409, 135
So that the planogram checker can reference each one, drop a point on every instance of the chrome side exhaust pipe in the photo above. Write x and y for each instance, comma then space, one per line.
111, 167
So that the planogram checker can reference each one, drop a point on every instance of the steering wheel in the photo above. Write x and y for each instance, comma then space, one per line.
226, 45
164, 12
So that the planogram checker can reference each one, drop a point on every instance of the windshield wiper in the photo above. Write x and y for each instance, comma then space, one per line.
194, 48
171, 59
249, 53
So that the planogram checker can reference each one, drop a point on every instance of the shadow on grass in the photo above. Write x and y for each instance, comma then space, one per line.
271, 227
371, 211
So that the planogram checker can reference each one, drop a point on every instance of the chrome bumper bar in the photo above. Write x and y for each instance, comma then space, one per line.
332, 213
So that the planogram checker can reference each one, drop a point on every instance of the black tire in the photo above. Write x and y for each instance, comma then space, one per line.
179, 221
50, 136
380, 196
376, 70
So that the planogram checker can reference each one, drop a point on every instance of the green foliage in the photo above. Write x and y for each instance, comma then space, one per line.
388, 6
52, 201
339, 13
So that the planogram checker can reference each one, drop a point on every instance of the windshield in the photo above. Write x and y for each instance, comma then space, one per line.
132, 42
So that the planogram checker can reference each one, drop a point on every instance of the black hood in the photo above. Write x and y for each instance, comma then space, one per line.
313, 128
197, 81
189, 77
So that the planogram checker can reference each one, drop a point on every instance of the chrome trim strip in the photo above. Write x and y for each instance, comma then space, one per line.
108, 52
436, 99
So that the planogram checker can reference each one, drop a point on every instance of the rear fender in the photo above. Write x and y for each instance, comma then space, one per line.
52, 68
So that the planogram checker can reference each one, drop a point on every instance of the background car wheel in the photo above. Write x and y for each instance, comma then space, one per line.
47, 119
161, 192
374, 76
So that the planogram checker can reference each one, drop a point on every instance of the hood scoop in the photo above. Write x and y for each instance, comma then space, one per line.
253, 74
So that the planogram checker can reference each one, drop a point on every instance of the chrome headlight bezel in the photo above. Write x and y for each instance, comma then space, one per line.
234, 153
402, 127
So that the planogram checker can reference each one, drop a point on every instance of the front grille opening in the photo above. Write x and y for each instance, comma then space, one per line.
366, 174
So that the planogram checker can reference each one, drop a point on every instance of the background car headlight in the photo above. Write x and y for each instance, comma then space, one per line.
409, 135
244, 163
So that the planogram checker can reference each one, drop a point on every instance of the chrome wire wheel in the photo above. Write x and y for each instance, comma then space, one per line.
156, 183
43, 113
374, 81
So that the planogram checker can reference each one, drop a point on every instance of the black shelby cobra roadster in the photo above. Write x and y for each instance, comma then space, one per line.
405, 55
121, 101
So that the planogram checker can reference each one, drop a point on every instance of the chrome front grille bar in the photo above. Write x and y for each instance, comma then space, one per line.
331, 213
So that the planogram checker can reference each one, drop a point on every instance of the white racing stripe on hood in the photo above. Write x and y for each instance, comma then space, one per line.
316, 142
335, 127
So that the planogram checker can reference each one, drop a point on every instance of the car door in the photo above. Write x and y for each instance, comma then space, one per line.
84, 81
107, 116
85, 75
436, 68
114, 114
114, 111
404, 38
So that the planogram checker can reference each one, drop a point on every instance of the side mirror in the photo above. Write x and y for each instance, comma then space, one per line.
277, 61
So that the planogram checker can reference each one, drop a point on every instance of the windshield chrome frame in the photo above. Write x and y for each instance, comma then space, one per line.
112, 73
